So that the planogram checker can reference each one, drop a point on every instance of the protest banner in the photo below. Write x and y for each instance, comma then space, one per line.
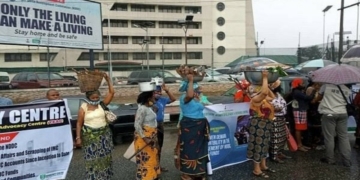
35, 141
52, 23
229, 133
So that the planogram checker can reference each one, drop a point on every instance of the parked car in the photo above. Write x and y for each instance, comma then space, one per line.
29, 80
122, 126
214, 76
117, 80
227, 70
73, 78
228, 96
4, 80
145, 76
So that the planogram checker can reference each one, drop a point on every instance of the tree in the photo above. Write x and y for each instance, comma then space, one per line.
310, 53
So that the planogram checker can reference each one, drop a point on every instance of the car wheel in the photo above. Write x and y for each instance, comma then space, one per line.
118, 139
212, 81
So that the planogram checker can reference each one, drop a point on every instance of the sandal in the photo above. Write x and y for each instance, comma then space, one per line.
263, 175
278, 160
269, 170
302, 149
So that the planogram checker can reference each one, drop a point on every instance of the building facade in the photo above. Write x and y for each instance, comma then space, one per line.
220, 32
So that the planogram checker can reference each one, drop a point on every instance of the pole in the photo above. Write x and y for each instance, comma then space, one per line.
65, 68
48, 64
257, 44
212, 55
91, 52
357, 23
323, 34
186, 58
147, 48
163, 55
142, 57
341, 31
109, 51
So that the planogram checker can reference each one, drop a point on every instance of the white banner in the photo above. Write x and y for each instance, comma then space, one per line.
54, 23
35, 141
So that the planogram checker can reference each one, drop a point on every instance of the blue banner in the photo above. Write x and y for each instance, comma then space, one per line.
229, 133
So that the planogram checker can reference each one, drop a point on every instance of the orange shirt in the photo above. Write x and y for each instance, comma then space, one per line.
240, 94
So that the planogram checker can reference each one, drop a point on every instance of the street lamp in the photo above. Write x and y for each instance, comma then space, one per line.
324, 11
258, 45
145, 26
185, 23
142, 43
109, 44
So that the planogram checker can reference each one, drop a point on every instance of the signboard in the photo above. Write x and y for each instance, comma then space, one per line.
54, 23
35, 141
229, 133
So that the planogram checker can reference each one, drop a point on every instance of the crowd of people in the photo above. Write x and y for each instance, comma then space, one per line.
316, 115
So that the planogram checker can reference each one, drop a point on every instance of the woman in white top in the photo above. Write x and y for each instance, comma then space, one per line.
148, 166
94, 134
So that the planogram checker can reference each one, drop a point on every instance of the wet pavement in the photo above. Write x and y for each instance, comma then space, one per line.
303, 166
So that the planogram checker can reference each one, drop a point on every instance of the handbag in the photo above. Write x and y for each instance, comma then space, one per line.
350, 109
291, 141
129, 152
109, 116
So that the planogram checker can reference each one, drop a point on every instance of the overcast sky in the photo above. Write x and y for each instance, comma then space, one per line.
279, 22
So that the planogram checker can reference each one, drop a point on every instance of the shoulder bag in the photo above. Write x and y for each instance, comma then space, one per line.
109, 116
350, 109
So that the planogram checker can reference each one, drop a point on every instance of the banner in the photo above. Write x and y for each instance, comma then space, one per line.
35, 141
229, 133
54, 23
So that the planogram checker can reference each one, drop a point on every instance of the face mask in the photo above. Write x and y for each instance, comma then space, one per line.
92, 102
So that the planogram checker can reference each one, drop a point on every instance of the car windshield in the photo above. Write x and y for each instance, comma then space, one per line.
209, 72
53, 76
4, 78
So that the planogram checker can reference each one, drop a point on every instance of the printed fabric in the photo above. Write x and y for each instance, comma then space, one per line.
97, 147
194, 138
148, 166
278, 136
279, 103
259, 140
300, 118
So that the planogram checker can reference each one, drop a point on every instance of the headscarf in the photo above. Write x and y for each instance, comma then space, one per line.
296, 83
184, 86
243, 84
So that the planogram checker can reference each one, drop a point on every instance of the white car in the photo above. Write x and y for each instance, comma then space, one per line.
214, 76
227, 70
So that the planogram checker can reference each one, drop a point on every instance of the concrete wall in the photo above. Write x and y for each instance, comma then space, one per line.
21, 96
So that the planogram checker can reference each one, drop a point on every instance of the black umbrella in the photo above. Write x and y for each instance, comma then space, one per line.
352, 55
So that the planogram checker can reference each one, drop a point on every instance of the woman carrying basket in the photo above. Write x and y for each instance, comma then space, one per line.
94, 134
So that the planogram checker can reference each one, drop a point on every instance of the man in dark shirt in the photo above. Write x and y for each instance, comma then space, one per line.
300, 105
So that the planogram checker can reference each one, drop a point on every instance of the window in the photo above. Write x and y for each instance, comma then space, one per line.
115, 23
22, 77
170, 40
167, 55
194, 10
170, 9
194, 25
169, 24
144, 74
119, 40
86, 56
31, 77
149, 24
142, 8
119, 7
177, 55
194, 40
140, 40
194, 55
43, 56
142, 56
116, 56
45, 76
17, 57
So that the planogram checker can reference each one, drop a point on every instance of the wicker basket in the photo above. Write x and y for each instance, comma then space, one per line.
89, 80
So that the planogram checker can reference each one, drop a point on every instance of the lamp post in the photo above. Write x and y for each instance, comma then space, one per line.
145, 26
324, 11
141, 43
109, 51
258, 45
185, 24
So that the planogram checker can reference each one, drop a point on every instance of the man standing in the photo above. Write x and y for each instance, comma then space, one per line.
334, 122
52, 94
5, 101
160, 104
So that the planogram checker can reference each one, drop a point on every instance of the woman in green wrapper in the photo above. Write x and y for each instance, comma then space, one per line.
94, 134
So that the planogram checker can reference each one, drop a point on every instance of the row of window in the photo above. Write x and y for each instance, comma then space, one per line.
152, 8
162, 24
141, 40
26, 57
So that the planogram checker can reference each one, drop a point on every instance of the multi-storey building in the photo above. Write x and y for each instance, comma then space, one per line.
220, 31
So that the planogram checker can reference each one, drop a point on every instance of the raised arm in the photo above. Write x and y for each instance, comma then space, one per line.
110, 94
190, 88
264, 89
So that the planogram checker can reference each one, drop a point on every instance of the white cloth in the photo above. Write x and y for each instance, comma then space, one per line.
333, 102
94, 118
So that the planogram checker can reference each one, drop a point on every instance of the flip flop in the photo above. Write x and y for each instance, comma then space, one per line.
302, 149
269, 170
262, 175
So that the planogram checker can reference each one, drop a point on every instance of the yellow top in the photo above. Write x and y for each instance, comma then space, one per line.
264, 111
94, 118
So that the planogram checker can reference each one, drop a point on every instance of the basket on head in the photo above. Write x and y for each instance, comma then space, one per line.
89, 80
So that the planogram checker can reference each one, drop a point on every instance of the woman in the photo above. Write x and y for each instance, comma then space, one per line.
278, 131
93, 132
261, 117
300, 105
315, 132
193, 130
148, 166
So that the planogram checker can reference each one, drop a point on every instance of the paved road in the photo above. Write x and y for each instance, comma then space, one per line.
303, 166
